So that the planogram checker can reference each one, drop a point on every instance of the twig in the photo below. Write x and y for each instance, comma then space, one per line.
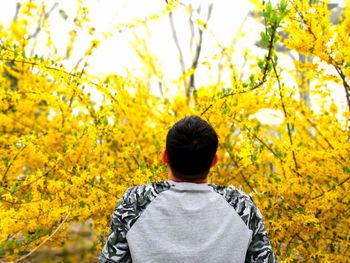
345, 84
341, 74
43, 17
14, 19
325, 138
267, 147
36, 64
273, 152
322, 146
44, 241
173, 30
36, 179
329, 190
236, 163
10, 164
265, 72
286, 116
198, 53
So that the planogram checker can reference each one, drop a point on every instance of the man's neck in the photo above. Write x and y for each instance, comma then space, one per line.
196, 181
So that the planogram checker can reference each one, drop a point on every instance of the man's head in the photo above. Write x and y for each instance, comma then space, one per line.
191, 146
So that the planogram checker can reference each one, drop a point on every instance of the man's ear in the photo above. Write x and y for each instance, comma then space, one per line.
215, 160
165, 156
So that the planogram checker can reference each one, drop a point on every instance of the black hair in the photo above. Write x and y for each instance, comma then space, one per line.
191, 145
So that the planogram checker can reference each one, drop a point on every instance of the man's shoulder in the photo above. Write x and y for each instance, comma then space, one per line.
135, 200
231, 192
237, 199
145, 193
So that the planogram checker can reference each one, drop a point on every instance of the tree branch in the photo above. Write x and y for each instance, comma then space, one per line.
176, 40
345, 84
263, 78
286, 115
44, 241
198, 52
236, 163
10, 164
43, 17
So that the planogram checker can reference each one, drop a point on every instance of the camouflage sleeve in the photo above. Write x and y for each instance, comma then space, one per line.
260, 249
116, 247
128, 210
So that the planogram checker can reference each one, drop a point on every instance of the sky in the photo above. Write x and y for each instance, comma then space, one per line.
116, 53
231, 25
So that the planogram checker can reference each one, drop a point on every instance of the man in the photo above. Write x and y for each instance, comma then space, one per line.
185, 219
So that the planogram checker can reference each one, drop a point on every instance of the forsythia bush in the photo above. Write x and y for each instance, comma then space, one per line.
65, 159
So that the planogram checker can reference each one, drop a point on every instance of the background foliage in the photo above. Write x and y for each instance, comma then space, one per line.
64, 158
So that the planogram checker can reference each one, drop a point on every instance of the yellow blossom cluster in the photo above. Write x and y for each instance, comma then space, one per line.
65, 159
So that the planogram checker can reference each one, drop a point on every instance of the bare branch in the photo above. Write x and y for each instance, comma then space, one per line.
263, 78
325, 138
36, 64
174, 33
234, 160
198, 53
18, 7
286, 115
345, 84
44, 241
10, 164
43, 17
331, 61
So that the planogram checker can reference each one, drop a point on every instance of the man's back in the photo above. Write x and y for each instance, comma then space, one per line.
186, 222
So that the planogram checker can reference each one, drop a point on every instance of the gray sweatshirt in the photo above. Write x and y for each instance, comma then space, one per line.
186, 222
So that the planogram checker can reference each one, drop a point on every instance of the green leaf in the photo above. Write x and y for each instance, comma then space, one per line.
306, 245
346, 169
276, 178
275, 58
251, 81
143, 166
282, 6
264, 39
63, 14
333, 185
261, 64
280, 154
269, 7
269, 67
5, 161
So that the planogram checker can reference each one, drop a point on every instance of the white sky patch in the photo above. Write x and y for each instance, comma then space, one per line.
269, 117
230, 25
116, 55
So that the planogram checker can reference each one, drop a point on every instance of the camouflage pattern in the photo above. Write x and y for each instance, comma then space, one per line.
260, 249
136, 199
